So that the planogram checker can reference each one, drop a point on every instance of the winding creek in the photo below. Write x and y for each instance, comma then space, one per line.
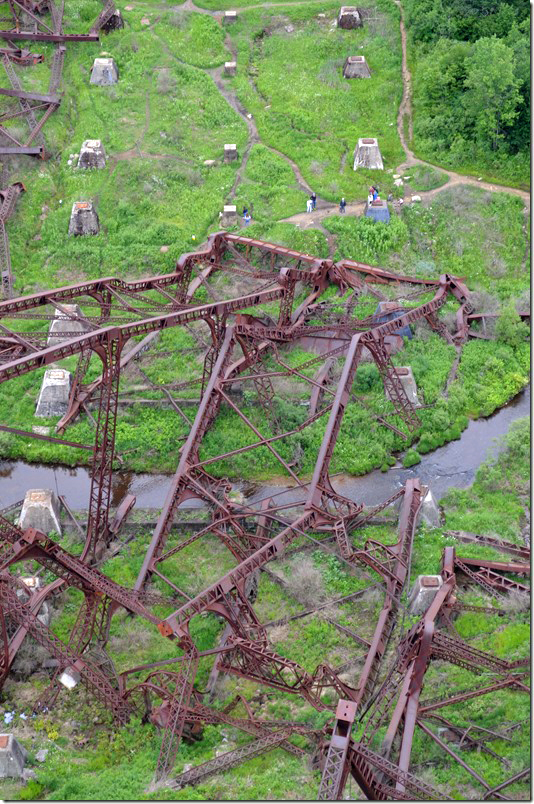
454, 464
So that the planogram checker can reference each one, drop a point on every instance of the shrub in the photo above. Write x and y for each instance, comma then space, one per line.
411, 458
307, 582
510, 329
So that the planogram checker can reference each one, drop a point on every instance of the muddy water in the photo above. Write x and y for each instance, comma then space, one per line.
454, 464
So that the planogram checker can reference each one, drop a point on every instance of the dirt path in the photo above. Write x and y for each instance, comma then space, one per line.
324, 209
309, 220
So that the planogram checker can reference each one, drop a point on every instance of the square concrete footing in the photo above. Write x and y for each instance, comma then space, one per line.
229, 17
54, 394
230, 153
230, 67
68, 319
83, 219
356, 67
349, 17
92, 155
367, 154
12, 757
423, 593
40, 510
104, 72
229, 216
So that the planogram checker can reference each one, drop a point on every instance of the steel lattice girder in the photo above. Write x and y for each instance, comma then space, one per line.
320, 508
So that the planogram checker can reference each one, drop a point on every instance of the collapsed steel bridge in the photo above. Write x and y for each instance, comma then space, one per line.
242, 341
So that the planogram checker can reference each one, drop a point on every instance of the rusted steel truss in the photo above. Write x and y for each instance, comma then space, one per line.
117, 322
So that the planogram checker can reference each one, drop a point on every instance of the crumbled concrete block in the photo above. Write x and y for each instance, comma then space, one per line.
423, 593
12, 757
229, 216
230, 153
209, 162
416, 199
92, 155
63, 323
356, 67
41, 755
230, 67
349, 17
104, 72
230, 17
83, 219
54, 394
367, 154
40, 510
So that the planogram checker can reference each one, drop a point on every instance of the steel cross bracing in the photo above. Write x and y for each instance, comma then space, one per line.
113, 313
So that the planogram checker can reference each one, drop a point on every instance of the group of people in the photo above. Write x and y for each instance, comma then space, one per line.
311, 203
373, 193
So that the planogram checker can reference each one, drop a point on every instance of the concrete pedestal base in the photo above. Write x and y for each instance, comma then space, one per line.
356, 67
230, 153
40, 510
92, 155
54, 395
12, 757
230, 67
104, 72
229, 17
423, 593
114, 23
367, 154
430, 514
229, 216
408, 383
62, 323
378, 211
349, 17
83, 219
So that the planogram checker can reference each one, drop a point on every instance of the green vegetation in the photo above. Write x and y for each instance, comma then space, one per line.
424, 178
470, 62
291, 81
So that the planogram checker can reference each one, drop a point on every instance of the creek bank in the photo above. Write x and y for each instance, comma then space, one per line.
454, 464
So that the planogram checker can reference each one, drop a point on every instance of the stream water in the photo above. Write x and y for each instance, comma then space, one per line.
454, 464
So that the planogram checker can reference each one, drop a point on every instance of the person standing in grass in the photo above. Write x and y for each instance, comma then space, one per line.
309, 205
247, 218
313, 197
342, 205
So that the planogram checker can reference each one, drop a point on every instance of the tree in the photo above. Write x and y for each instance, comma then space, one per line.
510, 329
492, 97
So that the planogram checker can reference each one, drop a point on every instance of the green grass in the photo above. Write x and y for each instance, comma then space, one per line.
292, 83
424, 178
